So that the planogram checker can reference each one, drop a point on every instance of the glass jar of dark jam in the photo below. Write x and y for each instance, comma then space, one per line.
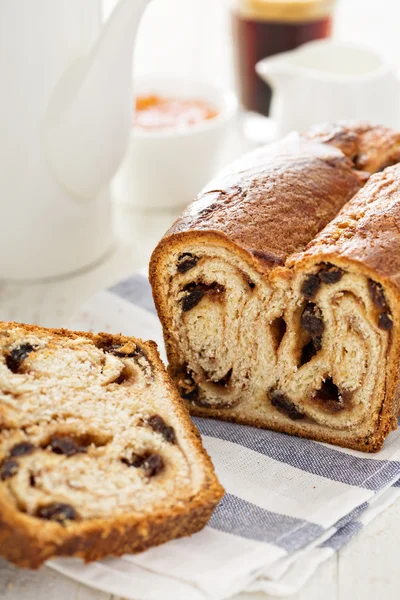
265, 27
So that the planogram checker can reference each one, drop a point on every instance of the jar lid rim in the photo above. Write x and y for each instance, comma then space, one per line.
285, 10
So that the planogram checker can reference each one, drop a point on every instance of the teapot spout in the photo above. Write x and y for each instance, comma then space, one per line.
275, 70
89, 116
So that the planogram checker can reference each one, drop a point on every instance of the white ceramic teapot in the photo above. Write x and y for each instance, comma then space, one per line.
327, 81
65, 118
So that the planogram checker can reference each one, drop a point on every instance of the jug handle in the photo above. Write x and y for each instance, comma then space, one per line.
273, 68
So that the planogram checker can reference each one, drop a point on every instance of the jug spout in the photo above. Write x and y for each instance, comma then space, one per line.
275, 70
89, 115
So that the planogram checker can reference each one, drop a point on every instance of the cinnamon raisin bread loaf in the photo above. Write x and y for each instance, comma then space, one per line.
97, 453
277, 288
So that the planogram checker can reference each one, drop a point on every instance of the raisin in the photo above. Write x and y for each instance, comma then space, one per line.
197, 292
378, 297
330, 396
385, 321
22, 449
65, 445
310, 286
192, 299
328, 391
311, 320
186, 262
9, 468
330, 274
188, 388
57, 511
153, 465
377, 294
136, 460
285, 406
309, 351
17, 355
192, 286
317, 341
158, 424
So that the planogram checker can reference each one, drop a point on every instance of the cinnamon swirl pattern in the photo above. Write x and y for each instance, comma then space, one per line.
277, 289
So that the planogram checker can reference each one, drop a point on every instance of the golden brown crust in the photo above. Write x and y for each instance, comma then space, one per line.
371, 148
371, 444
28, 542
279, 201
27, 549
275, 200
367, 229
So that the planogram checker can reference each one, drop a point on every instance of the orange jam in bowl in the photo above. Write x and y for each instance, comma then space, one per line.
155, 112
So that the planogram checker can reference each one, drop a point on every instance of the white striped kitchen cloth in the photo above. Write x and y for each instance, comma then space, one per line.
290, 503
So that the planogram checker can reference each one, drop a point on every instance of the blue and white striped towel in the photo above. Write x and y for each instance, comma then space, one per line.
289, 505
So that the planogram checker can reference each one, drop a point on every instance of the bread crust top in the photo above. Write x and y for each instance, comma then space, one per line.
367, 229
274, 201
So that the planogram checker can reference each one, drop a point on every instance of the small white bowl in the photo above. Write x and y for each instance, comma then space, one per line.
168, 167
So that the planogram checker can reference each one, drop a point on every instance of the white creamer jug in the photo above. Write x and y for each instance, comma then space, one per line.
329, 81
65, 118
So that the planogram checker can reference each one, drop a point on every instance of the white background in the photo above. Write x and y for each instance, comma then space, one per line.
191, 38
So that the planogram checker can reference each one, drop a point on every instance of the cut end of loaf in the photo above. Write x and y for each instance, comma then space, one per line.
309, 357
97, 454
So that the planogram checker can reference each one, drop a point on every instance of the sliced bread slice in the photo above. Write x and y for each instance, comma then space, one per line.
97, 453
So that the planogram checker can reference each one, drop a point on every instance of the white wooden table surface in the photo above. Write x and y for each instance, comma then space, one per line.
367, 567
